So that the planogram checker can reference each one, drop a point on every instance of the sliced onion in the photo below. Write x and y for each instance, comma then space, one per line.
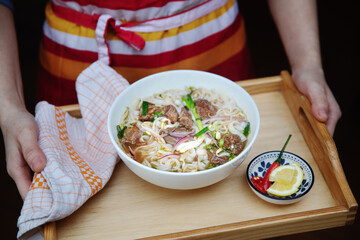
183, 147
183, 139
224, 118
216, 143
131, 152
166, 134
168, 155
181, 134
175, 134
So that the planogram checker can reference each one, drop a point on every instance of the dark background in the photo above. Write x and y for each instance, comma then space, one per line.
339, 25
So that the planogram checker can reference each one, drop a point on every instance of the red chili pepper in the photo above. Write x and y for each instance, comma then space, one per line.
266, 182
257, 182
275, 164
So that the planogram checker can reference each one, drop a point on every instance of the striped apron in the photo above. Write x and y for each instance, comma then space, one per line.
139, 38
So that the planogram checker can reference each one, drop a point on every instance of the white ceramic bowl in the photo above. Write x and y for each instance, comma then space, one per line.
259, 166
179, 79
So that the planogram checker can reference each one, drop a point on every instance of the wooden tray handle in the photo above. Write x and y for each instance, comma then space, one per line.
50, 231
300, 106
73, 110
322, 145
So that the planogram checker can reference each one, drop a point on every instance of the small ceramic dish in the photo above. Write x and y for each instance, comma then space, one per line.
259, 165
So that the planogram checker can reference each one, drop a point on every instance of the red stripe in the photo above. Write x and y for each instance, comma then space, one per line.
124, 4
69, 53
188, 51
236, 68
55, 90
61, 91
148, 61
79, 18
90, 21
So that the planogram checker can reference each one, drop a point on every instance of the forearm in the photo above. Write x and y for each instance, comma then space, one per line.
297, 24
11, 90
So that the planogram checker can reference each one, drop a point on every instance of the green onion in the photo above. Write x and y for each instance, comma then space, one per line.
188, 101
156, 115
232, 156
221, 141
145, 106
191, 106
209, 147
246, 129
213, 165
202, 131
120, 132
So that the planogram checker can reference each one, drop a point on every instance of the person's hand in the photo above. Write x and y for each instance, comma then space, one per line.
23, 154
18, 126
312, 83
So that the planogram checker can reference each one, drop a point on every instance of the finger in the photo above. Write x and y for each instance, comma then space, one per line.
19, 172
324, 106
33, 154
319, 103
23, 181
330, 125
334, 113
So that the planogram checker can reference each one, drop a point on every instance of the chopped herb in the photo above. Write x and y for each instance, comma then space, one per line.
145, 106
209, 147
213, 165
202, 131
221, 142
120, 132
156, 115
232, 156
246, 129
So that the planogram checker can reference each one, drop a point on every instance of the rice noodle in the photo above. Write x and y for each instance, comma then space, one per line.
189, 153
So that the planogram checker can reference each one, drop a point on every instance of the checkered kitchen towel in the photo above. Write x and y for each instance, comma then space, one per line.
80, 156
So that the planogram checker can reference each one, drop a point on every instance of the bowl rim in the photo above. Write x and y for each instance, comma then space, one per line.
207, 171
287, 198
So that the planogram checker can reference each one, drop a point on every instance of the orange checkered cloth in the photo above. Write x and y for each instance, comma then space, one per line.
80, 155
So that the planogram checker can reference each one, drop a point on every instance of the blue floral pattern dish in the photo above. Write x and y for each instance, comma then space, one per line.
260, 164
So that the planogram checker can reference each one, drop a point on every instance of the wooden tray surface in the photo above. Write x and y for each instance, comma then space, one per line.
130, 208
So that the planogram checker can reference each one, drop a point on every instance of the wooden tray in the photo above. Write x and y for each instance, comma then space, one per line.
130, 208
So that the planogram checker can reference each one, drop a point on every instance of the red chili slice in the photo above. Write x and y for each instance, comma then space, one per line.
257, 182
